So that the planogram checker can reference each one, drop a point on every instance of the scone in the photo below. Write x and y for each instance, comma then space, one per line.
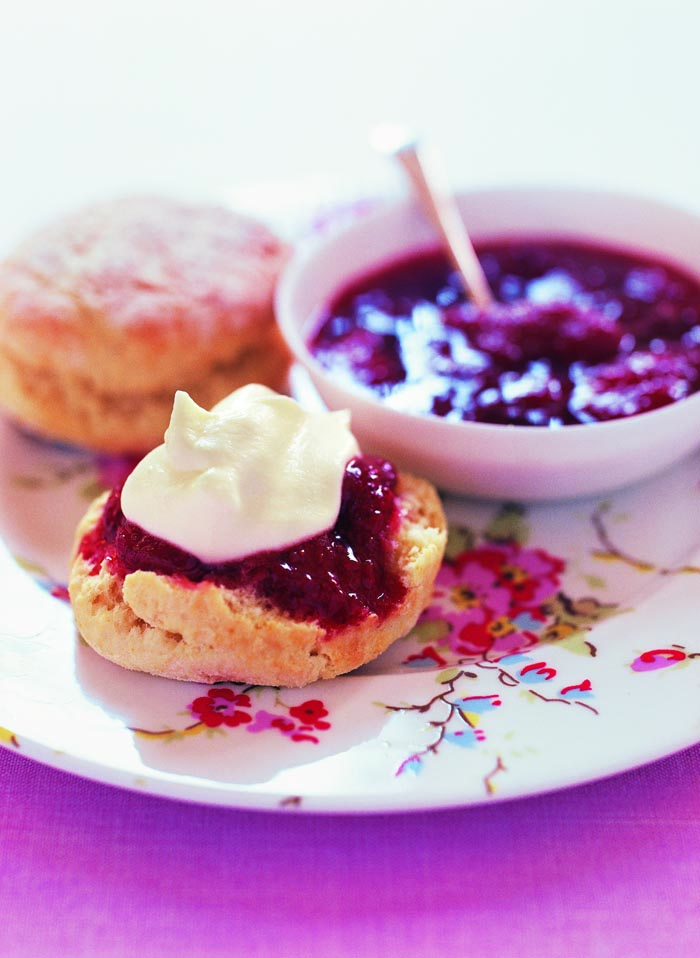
314, 608
105, 313
205, 632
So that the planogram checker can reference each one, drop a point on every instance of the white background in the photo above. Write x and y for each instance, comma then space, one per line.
206, 97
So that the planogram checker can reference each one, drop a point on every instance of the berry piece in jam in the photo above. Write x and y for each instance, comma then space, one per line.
336, 578
516, 333
633, 384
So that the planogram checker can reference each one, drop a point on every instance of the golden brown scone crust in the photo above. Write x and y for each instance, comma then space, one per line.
104, 314
207, 633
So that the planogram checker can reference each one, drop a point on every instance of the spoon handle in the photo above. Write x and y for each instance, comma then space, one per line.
440, 204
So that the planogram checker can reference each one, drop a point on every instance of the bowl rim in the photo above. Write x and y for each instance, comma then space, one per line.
307, 249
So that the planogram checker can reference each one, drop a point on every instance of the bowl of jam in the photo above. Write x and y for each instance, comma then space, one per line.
582, 376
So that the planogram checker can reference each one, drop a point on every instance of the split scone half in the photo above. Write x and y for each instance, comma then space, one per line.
204, 631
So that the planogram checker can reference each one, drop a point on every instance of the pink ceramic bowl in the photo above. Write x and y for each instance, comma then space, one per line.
498, 461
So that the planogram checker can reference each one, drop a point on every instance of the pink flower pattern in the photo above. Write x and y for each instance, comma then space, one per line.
493, 597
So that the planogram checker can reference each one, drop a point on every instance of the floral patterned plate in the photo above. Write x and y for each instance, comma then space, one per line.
562, 645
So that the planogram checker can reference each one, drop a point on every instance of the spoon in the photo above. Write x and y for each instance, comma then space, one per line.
440, 205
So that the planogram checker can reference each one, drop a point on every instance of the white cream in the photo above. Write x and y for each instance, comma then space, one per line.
258, 472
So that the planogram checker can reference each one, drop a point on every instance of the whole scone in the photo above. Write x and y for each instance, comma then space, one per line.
204, 632
105, 313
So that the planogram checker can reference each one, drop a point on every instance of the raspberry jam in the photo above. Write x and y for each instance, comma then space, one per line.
336, 578
579, 333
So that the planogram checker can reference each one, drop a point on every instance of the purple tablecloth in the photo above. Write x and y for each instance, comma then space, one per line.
607, 869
